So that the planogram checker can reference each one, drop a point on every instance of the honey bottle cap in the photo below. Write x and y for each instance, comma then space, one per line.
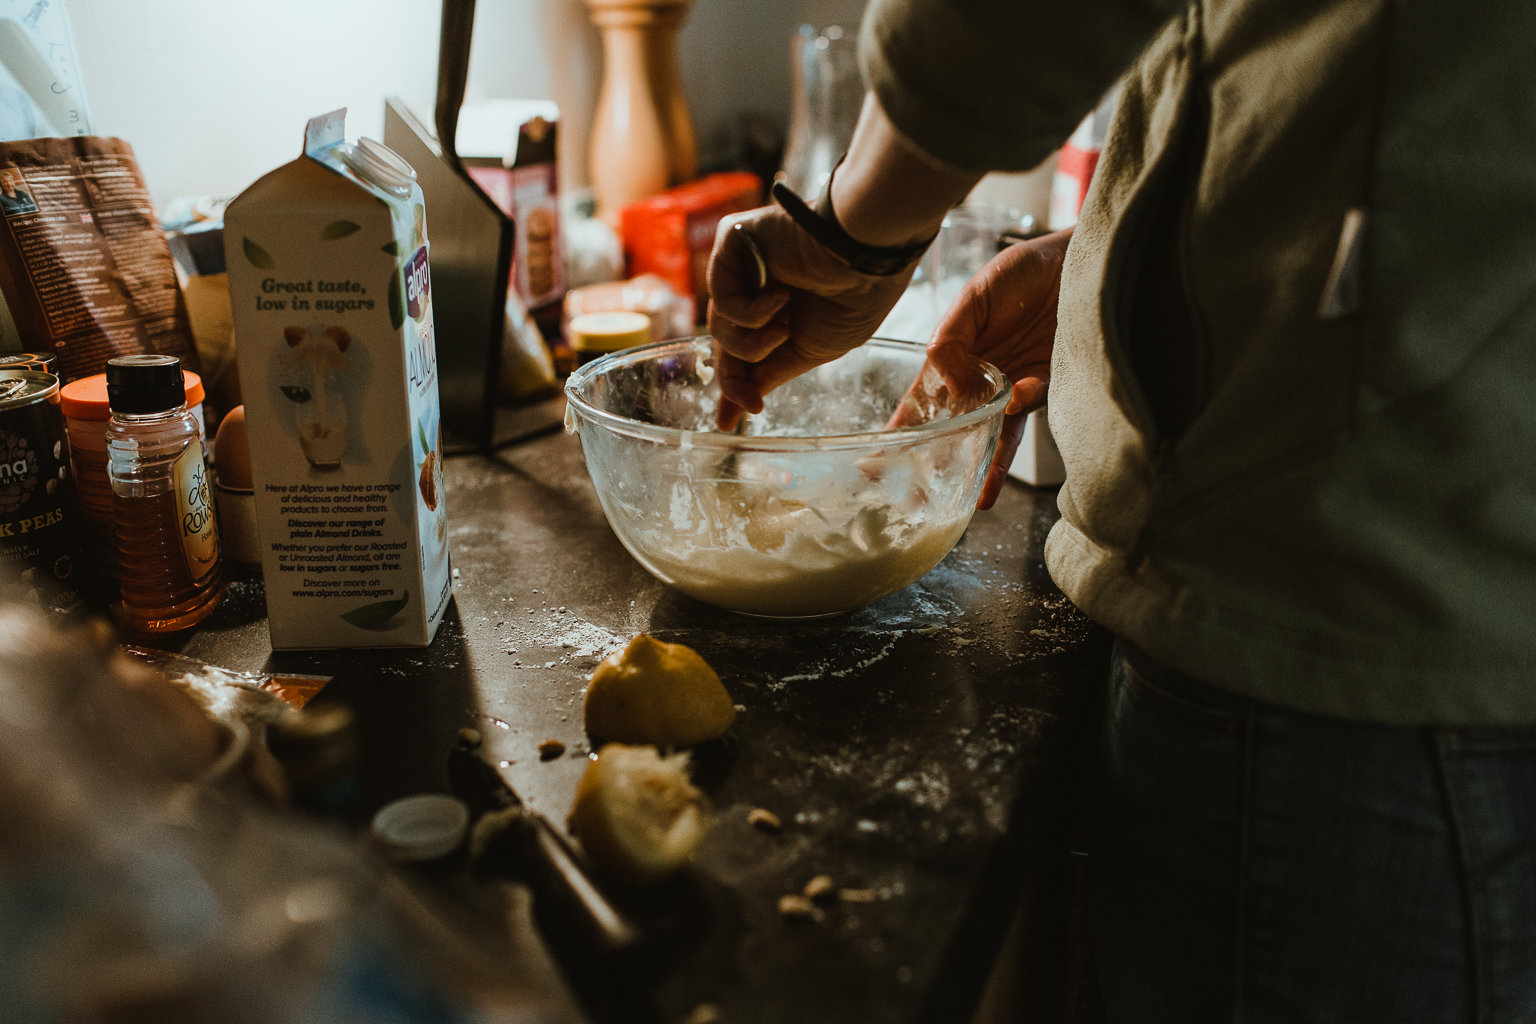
144, 384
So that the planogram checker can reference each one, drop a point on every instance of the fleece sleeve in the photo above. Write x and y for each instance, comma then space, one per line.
996, 85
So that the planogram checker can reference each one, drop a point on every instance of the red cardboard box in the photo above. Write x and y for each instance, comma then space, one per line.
671, 234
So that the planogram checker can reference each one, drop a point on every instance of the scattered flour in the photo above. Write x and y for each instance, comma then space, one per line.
573, 637
825, 669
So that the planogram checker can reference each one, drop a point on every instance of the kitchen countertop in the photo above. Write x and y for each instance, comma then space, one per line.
917, 748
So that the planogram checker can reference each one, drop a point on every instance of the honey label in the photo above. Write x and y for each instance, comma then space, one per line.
194, 508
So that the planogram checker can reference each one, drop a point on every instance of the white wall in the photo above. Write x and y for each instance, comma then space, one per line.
541, 50
213, 93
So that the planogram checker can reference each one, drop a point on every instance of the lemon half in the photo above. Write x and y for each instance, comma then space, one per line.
654, 692
637, 815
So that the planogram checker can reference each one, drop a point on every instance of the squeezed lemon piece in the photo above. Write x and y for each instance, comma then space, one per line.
637, 815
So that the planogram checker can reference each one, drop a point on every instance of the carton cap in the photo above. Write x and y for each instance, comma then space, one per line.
378, 165
422, 827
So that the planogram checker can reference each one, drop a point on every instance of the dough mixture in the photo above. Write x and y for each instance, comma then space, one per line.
765, 553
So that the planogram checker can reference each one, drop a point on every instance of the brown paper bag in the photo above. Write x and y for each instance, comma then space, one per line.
84, 266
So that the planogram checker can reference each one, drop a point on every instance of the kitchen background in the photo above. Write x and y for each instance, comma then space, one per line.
214, 93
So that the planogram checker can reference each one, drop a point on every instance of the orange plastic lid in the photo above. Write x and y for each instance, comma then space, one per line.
86, 398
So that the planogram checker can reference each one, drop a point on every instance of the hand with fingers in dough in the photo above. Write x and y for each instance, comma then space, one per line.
815, 310
884, 195
1005, 315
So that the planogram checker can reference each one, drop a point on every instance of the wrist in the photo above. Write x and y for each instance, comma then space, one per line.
870, 220
821, 223
887, 192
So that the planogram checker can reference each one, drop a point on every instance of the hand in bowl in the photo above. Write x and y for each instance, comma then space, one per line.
817, 310
1005, 315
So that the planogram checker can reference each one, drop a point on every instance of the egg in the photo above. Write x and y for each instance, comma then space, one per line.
232, 452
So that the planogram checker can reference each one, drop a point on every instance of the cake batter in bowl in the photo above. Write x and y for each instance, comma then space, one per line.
820, 507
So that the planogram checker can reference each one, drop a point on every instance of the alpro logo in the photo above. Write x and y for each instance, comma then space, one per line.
418, 284
18, 471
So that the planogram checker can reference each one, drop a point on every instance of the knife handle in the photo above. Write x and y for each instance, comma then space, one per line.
563, 893
571, 896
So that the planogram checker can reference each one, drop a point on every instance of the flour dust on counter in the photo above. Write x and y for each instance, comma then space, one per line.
332, 304
565, 634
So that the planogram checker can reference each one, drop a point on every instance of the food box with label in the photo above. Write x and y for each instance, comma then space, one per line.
672, 234
327, 260
508, 148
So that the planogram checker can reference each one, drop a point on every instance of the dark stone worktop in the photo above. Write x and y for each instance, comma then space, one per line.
907, 747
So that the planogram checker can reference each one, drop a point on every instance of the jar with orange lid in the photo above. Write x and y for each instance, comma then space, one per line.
167, 530
86, 413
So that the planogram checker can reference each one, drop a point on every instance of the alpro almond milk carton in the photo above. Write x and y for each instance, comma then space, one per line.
332, 303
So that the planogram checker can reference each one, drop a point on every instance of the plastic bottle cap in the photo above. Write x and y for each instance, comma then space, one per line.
609, 332
86, 398
145, 384
377, 163
422, 827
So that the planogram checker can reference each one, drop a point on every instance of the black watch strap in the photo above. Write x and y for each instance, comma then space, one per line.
874, 260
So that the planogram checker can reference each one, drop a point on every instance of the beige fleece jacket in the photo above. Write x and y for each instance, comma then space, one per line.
1348, 526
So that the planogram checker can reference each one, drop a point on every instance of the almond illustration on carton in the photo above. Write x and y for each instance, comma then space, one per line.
428, 481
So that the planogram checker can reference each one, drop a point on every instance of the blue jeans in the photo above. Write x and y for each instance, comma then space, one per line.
1253, 864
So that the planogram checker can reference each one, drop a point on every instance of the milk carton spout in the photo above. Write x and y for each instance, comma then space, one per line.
323, 132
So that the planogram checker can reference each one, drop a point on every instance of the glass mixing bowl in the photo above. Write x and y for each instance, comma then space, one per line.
819, 509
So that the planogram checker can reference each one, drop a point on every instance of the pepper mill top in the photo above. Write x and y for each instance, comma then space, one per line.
642, 136
637, 12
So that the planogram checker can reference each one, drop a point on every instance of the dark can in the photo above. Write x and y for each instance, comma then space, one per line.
40, 555
38, 362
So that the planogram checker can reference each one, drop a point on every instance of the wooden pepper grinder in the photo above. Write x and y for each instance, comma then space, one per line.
642, 137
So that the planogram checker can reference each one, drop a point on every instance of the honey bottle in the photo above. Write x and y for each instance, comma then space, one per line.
163, 513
